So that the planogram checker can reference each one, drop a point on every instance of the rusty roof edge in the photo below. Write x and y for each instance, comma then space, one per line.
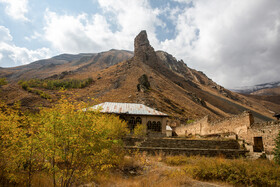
163, 115
142, 106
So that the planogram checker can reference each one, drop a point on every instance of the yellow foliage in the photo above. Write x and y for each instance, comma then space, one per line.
63, 140
140, 130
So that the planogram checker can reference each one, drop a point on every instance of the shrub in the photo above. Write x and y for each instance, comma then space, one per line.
140, 130
176, 160
26, 87
236, 172
3, 81
56, 84
277, 149
189, 121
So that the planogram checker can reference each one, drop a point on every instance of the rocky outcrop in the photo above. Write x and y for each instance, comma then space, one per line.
144, 83
143, 51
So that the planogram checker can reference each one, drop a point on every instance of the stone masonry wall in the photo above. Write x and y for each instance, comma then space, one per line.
193, 128
237, 124
177, 146
268, 131
242, 125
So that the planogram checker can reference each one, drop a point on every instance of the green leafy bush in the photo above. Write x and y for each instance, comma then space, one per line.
56, 84
26, 87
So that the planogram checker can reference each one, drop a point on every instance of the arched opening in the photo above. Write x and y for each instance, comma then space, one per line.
138, 120
154, 126
149, 125
158, 126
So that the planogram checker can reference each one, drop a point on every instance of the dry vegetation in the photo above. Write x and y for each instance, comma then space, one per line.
170, 92
141, 170
237, 172
64, 146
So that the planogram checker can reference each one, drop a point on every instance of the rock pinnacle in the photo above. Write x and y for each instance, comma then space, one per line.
143, 51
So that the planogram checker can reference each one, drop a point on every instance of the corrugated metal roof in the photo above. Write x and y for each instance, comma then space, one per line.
126, 108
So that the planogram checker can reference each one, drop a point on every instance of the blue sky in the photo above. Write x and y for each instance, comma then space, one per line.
235, 42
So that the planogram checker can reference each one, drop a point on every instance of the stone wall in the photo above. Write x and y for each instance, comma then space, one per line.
193, 128
176, 146
268, 131
237, 124
242, 125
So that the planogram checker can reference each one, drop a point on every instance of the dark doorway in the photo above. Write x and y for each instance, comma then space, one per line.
258, 144
131, 124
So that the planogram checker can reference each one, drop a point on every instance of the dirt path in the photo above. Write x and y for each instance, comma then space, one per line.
152, 173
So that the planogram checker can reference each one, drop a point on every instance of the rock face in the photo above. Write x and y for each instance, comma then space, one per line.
144, 83
143, 51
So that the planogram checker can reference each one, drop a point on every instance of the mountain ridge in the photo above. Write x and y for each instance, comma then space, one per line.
254, 89
176, 89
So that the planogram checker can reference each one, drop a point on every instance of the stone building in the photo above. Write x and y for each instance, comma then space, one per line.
258, 137
154, 121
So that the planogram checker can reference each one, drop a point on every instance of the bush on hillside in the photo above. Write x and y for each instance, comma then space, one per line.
56, 84
3, 81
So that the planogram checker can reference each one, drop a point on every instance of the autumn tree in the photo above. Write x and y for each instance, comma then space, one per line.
63, 141
18, 146
79, 144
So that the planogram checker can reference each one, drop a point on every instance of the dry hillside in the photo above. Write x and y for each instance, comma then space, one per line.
154, 78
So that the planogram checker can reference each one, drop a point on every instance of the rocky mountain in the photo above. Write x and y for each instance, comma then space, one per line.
153, 78
263, 92
271, 88
65, 64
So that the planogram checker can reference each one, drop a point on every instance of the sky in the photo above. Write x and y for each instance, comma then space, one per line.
234, 42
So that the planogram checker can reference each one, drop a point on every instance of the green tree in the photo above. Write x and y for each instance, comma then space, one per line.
277, 149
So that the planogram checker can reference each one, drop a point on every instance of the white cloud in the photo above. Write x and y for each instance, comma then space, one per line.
35, 36
5, 35
238, 41
132, 17
76, 34
16, 8
12, 55
121, 22
234, 42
